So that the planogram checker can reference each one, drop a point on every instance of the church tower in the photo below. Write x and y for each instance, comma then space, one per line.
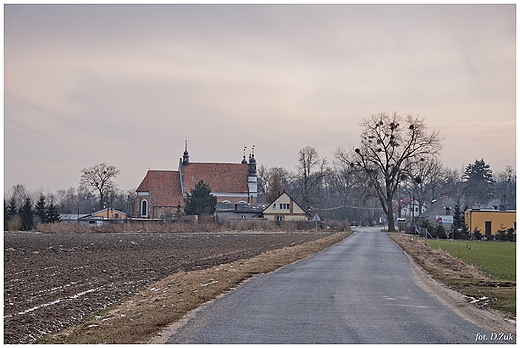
185, 156
252, 177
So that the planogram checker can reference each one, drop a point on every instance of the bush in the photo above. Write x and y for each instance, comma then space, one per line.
14, 224
476, 234
440, 232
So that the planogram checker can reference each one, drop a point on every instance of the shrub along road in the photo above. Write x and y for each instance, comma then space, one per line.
362, 290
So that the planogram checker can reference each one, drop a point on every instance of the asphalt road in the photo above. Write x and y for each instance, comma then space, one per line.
361, 290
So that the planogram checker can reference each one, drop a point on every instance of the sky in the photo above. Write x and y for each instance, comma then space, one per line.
126, 85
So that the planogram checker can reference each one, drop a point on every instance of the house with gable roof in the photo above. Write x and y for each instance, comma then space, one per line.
161, 192
440, 212
284, 208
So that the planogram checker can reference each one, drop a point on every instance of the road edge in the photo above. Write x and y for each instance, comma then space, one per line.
170, 330
487, 318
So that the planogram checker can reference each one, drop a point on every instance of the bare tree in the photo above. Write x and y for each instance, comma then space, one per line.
435, 181
18, 193
311, 172
506, 187
276, 184
392, 146
359, 197
272, 182
99, 178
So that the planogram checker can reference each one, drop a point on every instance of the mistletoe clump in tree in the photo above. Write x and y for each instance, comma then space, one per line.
200, 201
391, 149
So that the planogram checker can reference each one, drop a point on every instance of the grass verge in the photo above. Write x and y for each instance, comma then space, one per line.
481, 288
497, 259
142, 316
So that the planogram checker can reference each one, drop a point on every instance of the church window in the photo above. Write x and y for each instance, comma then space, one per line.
144, 208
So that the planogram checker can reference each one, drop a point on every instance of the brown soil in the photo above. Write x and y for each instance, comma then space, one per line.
147, 316
53, 281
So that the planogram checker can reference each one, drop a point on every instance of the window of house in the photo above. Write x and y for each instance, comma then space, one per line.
144, 208
285, 206
274, 206
279, 218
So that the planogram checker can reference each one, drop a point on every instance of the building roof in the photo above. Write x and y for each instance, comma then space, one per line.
439, 207
489, 210
291, 199
100, 212
165, 185
72, 217
220, 177
223, 207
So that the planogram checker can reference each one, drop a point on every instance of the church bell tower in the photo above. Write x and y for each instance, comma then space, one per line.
252, 177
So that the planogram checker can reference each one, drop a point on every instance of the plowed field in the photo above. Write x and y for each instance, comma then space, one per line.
52, 281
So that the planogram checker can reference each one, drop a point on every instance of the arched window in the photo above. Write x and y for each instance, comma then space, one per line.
144, 208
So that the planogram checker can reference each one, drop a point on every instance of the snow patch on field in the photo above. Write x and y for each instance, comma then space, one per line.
54, 302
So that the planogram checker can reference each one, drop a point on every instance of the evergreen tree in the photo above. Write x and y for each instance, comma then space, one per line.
458, 226
11, 209
53, 215
6, 218
27, 215
478, 183
200, 201
10, 212
40, 210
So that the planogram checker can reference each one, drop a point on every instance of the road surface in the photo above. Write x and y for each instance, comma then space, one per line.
362, 290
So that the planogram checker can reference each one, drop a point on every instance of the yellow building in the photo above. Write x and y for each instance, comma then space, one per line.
488, 221
109, 213
284, 208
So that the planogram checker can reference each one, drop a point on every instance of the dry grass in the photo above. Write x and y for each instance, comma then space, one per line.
458, 275
142, 316
203, 225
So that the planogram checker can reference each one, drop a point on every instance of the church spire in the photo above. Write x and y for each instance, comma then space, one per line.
185, 156
244, 161
252, 177
252, 162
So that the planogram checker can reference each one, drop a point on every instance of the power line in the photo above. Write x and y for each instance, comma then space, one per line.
344, 206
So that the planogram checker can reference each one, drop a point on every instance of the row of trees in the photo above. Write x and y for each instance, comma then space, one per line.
27, 216
97, 190
397, 157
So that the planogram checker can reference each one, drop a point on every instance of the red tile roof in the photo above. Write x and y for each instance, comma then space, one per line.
221, 177
164, 187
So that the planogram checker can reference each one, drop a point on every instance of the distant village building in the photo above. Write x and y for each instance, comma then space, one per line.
284, 208
439, 213
409, 208
226, 210
101, 217
161, 192
490, 221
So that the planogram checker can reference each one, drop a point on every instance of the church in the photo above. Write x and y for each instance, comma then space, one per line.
161, 192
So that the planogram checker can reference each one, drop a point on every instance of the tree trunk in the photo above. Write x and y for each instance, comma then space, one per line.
390, 216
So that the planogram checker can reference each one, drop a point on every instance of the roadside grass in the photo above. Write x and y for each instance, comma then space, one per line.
498, 259
144, 315
481, 288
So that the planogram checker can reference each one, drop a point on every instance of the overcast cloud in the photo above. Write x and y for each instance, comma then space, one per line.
127, 84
